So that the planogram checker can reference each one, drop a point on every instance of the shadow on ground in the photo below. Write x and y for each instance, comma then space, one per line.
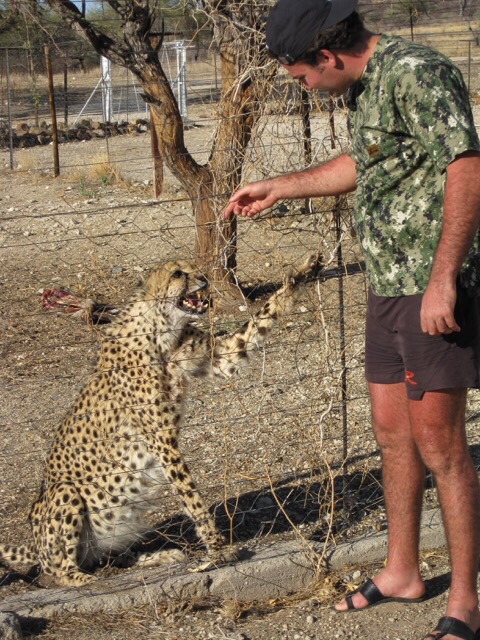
293, 502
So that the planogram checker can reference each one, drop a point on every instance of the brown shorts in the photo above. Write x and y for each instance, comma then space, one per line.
397, 350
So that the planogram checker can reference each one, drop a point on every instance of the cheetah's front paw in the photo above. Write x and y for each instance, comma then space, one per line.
158, 558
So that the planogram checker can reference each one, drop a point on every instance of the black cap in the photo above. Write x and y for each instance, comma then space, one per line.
293, 24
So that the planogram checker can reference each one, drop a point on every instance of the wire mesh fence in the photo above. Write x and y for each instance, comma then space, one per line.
260, 445
283, 449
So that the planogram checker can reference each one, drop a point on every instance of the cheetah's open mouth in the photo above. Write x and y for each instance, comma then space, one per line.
194, 302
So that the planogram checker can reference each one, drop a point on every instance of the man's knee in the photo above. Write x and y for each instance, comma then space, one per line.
390, 428
441, 453
390, 419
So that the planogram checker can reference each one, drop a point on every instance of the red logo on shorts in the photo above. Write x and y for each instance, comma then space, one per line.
409, 377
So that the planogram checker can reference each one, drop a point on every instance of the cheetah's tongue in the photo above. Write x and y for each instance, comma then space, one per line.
196, 303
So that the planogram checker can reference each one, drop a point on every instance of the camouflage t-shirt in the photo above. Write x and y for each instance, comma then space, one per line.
409, 117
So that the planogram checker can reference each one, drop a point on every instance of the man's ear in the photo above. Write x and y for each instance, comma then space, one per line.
329, 58
325, 56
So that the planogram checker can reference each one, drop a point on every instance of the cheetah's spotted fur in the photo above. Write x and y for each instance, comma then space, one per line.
104, 470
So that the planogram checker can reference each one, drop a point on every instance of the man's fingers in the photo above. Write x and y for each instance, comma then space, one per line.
452, 325
239, 208
230, 208
243, 209
439, 326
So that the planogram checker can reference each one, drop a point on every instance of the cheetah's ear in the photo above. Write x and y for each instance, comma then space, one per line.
144, 282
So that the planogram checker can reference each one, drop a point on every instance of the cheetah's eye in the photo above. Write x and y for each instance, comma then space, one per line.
177, 274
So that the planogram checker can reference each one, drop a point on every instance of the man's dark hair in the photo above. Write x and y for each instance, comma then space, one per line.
340, 37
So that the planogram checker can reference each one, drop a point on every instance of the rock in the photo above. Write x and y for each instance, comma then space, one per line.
45, 138
10, 628
28, 140
83, 134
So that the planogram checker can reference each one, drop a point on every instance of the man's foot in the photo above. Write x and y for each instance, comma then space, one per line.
450, 628
373, 593
461, 616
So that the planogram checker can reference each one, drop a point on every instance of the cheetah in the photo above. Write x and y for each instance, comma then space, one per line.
119, 440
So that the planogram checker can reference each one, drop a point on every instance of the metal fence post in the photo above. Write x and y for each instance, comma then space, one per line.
181, 77
53, 113
106, 69
305, 107
469, 65
65, 92
9, 109
341, 304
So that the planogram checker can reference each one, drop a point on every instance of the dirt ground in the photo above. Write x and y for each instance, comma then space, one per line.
273, 451
304, 616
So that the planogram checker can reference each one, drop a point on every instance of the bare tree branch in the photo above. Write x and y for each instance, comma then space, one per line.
101, 42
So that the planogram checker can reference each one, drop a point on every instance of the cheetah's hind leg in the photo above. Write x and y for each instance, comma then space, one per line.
59, 520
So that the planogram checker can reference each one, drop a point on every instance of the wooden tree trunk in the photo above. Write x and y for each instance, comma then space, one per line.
214, 240
156, 157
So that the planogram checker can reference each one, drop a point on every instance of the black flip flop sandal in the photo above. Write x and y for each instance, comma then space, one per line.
374, 597
454, 627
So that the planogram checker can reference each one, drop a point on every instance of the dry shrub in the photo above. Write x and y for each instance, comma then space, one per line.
26, 161
100, 170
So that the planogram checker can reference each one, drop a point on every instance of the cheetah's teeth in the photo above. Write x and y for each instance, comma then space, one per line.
195, 304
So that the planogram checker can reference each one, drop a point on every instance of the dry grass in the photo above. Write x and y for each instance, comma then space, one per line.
26, 161
98, 171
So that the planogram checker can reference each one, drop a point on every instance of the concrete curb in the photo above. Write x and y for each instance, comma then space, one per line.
272, 572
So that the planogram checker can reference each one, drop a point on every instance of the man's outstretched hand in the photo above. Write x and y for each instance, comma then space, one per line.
251, 199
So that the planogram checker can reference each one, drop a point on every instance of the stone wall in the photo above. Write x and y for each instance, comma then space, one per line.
25, 135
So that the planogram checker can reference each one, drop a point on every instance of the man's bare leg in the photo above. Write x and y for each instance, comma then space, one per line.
403, 482
437, 433
438, 427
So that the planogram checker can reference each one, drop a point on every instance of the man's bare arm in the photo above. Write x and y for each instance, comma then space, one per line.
335, 177
461, 218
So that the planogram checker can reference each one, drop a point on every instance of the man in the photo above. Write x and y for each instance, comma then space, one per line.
414, 163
